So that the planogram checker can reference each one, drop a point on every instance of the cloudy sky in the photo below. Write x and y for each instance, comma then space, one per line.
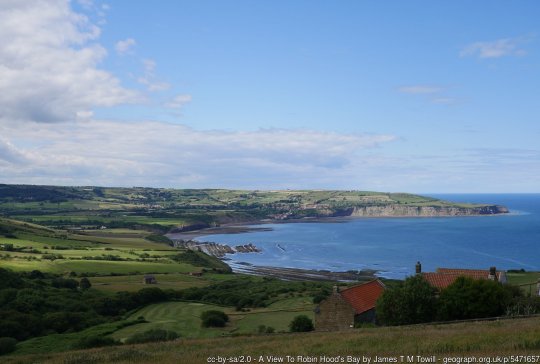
415, 96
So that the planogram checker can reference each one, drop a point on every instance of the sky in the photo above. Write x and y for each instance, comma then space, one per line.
396, 96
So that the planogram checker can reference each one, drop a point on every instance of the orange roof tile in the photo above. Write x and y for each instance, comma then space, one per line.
446, 276
473, 273
364, 296
440, 280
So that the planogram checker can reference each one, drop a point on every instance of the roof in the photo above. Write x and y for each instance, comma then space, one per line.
363, 297
444, 277
473, 273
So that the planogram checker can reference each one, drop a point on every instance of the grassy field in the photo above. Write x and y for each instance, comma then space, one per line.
503, 338
184, 318
132, 283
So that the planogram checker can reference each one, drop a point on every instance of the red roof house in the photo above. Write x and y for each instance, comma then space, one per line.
443, 277
344, 308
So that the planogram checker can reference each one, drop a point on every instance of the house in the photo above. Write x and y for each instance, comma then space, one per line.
346, 307
195, 274
443, 277
149, 279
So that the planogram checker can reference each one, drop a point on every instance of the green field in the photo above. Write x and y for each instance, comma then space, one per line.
479, 339
132, 283
184, 318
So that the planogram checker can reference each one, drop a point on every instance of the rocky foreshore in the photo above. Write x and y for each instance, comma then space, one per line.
296, 274
215, 249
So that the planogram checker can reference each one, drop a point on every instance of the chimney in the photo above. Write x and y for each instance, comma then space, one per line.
418, 267
492, 273
336, 289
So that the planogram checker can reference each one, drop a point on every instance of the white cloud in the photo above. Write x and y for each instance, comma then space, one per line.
161, 154
420, 89
149, 78
9, 153
49, 63
495, 49
179, 101
124, 46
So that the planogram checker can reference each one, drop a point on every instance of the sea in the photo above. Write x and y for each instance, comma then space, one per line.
392, 246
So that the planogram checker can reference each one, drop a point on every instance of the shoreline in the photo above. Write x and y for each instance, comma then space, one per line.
298, 274
245, 227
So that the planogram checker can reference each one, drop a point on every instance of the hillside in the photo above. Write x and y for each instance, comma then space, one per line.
163, 210
462, 340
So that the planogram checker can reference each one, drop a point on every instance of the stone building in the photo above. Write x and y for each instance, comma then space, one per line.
352, 305
149, 279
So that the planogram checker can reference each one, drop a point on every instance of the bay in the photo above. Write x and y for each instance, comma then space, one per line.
392, 246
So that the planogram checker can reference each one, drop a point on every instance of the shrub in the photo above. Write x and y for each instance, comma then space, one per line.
64, 283
95, 342
84, 283
214, 318
263, 329
413, 302
301, 323
151, 336
468, 298
7, 345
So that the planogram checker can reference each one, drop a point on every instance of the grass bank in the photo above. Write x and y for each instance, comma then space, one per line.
507, 337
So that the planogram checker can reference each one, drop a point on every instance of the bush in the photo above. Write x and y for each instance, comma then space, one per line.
151, 336
468, 298
7, 345
301, 323
263, 329
411, 303
95, 342
214, 318
84, 283
65, 283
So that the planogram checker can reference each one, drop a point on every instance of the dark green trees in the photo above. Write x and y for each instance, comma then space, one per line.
84, 284
214, 318
301, 323
416, 301
469, 298
413, 302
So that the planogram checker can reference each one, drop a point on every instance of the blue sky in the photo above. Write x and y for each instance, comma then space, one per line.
415, 96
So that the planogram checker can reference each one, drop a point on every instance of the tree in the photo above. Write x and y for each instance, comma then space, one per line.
469, 298
214, 318
152, 336
85, 284
7, 345
413, 302
301, 323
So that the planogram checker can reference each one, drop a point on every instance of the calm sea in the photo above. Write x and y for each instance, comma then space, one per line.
393, 245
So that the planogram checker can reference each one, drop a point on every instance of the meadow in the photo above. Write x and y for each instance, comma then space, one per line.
504, 338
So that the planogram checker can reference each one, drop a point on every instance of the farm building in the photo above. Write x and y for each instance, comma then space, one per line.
443, 277
352, 305
149, 279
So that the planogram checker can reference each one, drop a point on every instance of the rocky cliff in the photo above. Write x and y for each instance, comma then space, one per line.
404, 210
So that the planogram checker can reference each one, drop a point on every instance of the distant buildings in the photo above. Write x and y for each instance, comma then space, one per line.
149, 279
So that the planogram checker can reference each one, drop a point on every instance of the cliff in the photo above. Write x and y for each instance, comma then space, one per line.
403, 210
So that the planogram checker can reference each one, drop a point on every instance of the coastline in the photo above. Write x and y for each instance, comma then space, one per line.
288, 273
298, 274
244, 227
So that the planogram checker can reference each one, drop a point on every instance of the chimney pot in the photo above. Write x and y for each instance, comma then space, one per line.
418, 268
492, 273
